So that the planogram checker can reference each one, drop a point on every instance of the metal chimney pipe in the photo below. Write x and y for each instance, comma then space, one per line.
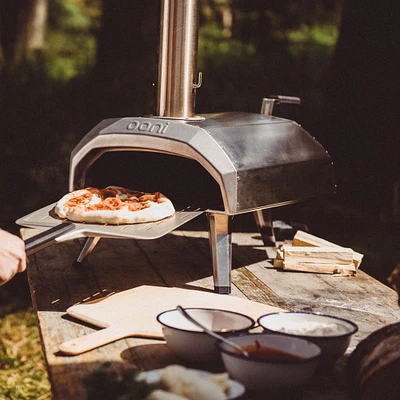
177, 59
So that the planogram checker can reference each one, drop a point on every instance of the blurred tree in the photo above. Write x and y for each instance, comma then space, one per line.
260, 21
72, 38
219, 13
274, 48
126, 56
361, 117
22, 28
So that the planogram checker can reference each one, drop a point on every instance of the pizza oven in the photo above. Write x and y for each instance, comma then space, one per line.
221, 164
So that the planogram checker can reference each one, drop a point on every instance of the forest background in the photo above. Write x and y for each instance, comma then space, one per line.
65, 65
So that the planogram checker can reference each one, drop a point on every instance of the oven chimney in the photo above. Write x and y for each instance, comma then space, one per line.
177, 59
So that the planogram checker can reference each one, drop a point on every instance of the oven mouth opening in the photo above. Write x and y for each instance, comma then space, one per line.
184, 181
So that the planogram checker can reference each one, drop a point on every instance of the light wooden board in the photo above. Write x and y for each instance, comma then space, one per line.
133, 313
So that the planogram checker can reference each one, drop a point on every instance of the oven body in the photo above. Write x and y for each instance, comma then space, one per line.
256, 162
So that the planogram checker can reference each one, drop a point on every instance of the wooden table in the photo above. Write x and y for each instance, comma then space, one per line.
182, 259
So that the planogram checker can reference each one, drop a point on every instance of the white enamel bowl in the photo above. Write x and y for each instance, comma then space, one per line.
271, 376
330, 333
188, 341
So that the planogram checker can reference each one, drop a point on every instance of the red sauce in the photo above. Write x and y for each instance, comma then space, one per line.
263, 353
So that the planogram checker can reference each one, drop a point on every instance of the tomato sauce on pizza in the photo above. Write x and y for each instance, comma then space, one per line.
114, 205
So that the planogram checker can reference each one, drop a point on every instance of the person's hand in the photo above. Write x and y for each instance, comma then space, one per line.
12, 256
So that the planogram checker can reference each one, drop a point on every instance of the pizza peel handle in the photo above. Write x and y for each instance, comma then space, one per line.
99, 338
91, 341
47, 238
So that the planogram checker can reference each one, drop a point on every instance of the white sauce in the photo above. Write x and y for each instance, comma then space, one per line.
313, 329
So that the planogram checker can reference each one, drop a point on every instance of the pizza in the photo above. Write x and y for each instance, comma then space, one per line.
113, 205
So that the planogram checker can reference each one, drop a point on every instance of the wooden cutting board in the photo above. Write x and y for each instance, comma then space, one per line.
133, 313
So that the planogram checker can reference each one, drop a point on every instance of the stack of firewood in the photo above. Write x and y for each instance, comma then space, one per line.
313, 254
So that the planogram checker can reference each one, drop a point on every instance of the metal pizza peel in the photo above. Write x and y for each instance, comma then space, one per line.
59, 230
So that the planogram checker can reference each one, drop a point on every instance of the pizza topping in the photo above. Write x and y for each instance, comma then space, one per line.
108, 192
84, 198
114, 205
156, 197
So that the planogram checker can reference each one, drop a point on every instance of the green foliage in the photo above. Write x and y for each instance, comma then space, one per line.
270, 48
107, 384
291, 13
322, 34
22, 371
74, 14
71, 41
225, 51
68, 56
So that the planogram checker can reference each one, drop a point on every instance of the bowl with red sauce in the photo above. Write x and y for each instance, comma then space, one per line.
276, 363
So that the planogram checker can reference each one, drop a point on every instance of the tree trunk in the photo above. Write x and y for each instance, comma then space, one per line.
22, 28
8, 27
36, 26
127, 47
227, 18
360, 122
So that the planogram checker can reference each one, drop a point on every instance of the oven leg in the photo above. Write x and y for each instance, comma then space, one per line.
87, 248
220, 237
265, 226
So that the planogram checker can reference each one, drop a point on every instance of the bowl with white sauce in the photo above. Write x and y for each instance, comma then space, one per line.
332, 334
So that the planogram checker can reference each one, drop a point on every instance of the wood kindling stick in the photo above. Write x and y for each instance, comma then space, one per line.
338, 269
302, 238
313, 254
320, 255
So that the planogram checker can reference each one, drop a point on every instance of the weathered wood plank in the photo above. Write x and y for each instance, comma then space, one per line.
256, 289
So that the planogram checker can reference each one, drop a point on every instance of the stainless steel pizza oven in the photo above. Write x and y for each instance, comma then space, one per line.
221, 164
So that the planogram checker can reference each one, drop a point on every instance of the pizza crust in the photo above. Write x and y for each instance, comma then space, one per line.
113, 205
